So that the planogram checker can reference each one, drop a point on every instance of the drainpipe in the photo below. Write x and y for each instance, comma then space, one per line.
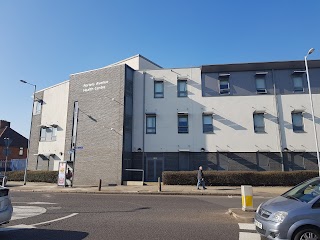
278, 120
144, 117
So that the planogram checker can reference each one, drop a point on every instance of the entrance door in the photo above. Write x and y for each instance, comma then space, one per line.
154, 168
184, 161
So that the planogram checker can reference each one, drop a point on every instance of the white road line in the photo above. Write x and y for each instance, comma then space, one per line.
249, 236
20, 212
34, 203
55, 220
247, 226
16, 227
24, 226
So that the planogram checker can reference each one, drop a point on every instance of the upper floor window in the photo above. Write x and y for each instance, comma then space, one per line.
158, 89
258, 121
48, 134
261, 84
224, 85
297, 82
182, 88
21, 151
183, 126
150, 124
37, 107
297, 121
207, 123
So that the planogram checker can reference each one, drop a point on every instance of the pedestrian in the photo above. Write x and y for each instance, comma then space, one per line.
201, 179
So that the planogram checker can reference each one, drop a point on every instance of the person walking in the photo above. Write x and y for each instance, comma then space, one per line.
201, 179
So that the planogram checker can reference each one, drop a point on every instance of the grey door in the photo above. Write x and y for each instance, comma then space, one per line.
154, 168
184, 161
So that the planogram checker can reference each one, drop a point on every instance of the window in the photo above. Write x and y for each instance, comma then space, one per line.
37, 107
183, 124
48, 134
151, 124
258, 120
297, 121
261, 84
224, 86
207, 123
21, 151
182, 88
297, 83
158, 89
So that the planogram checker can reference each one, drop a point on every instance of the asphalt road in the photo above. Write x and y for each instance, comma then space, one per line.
92, 216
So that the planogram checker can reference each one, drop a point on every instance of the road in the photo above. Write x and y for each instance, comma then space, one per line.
66, 216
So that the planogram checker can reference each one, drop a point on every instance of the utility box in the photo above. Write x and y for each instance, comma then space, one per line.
247, 197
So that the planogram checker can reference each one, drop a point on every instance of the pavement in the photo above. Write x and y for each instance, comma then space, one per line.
152, 188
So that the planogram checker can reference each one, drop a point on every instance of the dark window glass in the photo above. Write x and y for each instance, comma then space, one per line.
183, 124
182, 88
224, 86
207, 123
258, 119
151, 125
158, 89
297, 122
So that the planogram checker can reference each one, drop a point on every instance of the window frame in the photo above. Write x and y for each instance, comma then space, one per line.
155, 94
21, 151
155, 124
182, 93
183, 127
204, 126
294, 127
37, 110
260, 90
45, 136
297, 75
225, 91
259, 129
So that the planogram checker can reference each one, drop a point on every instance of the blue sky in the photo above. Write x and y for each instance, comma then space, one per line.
43, 42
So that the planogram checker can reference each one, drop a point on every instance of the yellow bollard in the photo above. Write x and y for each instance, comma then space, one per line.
247, 197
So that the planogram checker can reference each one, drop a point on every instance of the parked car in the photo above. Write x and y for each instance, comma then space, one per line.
295, 215
5, 206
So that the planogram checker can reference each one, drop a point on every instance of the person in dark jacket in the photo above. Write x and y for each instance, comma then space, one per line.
201, 179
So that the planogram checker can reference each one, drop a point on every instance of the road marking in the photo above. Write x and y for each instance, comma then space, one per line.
35, 203
249, 236
55, 220
16, 227
247, 226
24, 226
20, 212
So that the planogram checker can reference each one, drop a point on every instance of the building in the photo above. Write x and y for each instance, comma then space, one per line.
17, 148
136, 115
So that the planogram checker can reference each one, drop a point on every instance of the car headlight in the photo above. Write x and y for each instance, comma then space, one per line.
258, 208
278, 216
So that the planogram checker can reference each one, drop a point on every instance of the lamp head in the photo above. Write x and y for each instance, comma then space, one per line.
23, 81
310, 51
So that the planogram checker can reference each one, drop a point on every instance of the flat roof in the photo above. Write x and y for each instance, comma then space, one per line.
258, 66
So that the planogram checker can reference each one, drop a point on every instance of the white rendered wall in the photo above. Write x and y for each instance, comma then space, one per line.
232, 119
300, 141
54, 111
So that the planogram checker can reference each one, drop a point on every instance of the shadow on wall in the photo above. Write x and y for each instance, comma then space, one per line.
228, 122
40, 234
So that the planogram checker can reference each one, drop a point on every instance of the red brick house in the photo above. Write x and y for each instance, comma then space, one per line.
18, 147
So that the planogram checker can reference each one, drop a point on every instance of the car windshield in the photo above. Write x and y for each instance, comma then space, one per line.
305, 191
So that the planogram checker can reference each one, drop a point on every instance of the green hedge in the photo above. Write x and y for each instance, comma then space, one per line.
34, 176
237, 178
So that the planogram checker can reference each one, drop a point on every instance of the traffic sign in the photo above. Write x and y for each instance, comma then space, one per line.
6, 151
7, 141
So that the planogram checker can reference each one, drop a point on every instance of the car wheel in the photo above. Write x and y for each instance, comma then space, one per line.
307, 234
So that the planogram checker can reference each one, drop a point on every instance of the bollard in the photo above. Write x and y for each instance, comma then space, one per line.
159, 184
247, 197
100, 181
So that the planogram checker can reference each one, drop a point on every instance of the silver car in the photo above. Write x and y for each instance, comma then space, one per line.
5, 206
294, 215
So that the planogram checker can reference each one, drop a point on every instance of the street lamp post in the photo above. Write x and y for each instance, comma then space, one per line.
28, 152
311, 103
